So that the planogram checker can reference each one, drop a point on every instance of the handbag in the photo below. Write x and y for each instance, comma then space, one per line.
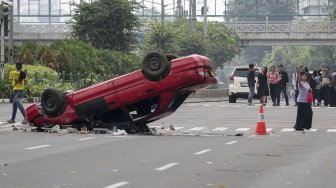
310, 97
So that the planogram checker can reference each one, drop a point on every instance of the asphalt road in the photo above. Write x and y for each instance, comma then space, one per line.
202, 152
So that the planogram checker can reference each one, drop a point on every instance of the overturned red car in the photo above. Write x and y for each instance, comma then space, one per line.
131, 100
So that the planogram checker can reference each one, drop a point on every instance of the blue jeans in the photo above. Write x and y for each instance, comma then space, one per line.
18, 104
250, 95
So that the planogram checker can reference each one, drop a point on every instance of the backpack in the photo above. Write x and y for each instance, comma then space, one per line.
22, 76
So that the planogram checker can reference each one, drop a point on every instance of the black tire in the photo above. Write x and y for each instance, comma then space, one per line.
171, 57
155, 66
232, 99
53, 102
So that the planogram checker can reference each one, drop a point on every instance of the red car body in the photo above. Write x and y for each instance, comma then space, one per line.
131, 98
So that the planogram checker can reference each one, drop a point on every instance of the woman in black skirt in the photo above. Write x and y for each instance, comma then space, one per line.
304, 115
262, 86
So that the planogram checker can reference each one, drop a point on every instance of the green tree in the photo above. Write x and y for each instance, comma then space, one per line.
160, 38
108, 24
221, 44
76, 56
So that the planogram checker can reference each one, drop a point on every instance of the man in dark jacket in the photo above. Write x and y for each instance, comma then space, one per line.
251, 83
283, 82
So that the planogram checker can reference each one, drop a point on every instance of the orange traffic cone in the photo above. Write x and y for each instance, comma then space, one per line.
261, 125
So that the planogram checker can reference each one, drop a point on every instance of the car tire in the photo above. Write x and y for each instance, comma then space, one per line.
171, 57
232, 99
155, 66
52, 102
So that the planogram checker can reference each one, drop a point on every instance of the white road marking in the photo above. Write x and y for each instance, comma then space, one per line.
269, 129
220, 129
232, 142
287, 130
331, 131
176, 128
203, 151
88, 138
157, 126
312, 130
206, 105
37, 147
242, 129
119, 184
197, 128
164, 167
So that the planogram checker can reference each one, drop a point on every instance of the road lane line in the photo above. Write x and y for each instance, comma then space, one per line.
220, 129
242, 129
87, 138
119, 184
176, 128
287, 130
164, 167
203, 151
197, 128
312, 130
232, 142
331, 131
37, 147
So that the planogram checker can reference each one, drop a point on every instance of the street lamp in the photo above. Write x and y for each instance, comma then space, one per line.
5, 17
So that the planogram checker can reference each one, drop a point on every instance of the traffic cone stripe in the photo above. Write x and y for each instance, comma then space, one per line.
261, 125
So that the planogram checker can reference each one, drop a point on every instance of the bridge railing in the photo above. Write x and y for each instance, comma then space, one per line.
283, 27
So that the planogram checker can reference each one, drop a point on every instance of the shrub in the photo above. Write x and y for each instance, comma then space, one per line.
39, 78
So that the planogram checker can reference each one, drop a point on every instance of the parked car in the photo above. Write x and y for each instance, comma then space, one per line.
238, 87
131, 100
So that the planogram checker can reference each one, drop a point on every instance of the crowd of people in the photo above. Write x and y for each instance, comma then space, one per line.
276, 84
310, 90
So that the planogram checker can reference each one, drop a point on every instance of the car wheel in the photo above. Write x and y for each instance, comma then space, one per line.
155, 66
52, 102
171, 57
232, 99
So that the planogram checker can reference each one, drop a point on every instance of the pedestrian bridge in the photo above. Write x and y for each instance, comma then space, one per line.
250, 33
285, 33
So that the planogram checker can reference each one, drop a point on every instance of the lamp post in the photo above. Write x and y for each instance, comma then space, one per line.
5, 16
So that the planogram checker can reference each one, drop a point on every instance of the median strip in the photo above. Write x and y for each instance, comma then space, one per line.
37, 147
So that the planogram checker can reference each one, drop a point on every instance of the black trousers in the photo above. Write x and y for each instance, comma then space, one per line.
304, 116
325, 95
273, 91
284, 91
332, 97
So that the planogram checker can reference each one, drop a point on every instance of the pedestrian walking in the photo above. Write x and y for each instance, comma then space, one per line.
251, 83
282, 87
18, 79
273, 79
304, 115
262, 86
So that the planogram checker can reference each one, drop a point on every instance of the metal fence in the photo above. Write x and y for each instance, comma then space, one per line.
79, 80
